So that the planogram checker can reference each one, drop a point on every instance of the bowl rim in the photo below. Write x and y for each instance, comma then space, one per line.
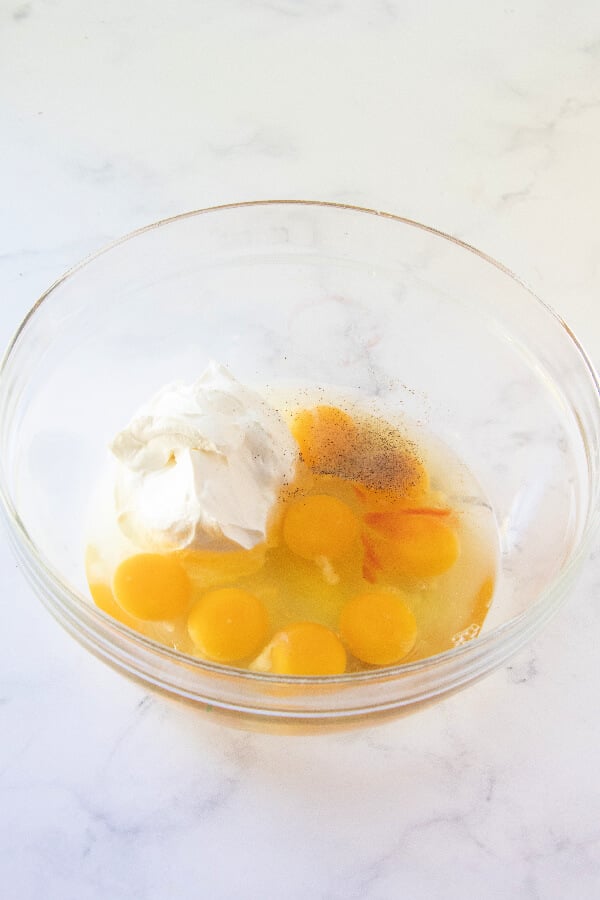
549, 598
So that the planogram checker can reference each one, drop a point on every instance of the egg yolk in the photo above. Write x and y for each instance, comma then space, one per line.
228, 625
307, 648
320, 526
409, 484
383, 466
417, 544
378, 628
484, 596
210, 569
152, 586
323, 434
104, 600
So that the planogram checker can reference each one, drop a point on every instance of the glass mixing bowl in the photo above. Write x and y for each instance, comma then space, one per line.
321, 294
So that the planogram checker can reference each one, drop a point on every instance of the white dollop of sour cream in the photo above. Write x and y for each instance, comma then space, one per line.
201, 465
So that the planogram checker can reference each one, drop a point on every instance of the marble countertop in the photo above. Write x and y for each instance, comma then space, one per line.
480, 119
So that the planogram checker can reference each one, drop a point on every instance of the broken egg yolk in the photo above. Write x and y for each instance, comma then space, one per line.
378, 628
409, 543
228, 625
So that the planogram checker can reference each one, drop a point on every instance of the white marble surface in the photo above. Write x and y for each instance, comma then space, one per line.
481, 119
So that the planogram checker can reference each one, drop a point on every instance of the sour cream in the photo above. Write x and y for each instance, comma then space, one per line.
201, 465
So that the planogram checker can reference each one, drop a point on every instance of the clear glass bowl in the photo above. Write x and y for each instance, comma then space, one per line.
321, 294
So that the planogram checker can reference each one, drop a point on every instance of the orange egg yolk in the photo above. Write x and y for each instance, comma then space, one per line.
228, 625
152, 586
307, 648
409, 485
323, 435
378, 628
207, 569
367, 453
320, 526
104, 600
